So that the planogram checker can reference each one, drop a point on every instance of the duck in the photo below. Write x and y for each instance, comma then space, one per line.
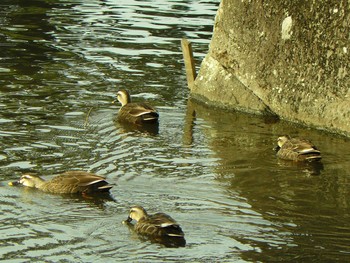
296, 149
135, 112
70, 182
159, 225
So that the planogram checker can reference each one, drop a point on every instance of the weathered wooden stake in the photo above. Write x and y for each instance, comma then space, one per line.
87, 118
189, 62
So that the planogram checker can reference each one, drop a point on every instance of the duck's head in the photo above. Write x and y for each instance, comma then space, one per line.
123, 97
282, 140
136, 213
30, 180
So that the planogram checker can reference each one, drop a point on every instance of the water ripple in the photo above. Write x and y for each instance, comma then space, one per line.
213, 171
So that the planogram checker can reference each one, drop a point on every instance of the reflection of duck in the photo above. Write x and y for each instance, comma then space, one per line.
147, 128
306, 168
135, 112
159, 227
297, 149
67, 183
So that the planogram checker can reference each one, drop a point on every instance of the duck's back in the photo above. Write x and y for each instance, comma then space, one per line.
138, 112
299, 150
76, 182
159, 225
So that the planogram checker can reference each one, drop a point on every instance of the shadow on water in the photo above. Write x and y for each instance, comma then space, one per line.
299, 207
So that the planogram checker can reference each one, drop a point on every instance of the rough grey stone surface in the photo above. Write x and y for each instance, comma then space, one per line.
289, 58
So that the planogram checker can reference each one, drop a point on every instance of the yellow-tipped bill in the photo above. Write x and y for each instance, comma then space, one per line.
13, 183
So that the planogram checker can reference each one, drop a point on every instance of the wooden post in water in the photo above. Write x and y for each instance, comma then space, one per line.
189, 62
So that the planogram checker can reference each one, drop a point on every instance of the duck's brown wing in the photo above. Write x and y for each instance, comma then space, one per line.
159, 224
161, 219
303, 146
299, 150
138, 113
138, 109
78, 182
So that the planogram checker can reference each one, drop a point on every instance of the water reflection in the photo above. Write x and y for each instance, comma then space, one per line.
307, 168
214, 171
25, 42
62, 66
146, 129
281, 192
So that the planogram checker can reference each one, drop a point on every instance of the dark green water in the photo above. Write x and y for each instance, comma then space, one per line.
215, 172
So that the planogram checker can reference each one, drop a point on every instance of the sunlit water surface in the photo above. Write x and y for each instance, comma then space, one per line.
215, 172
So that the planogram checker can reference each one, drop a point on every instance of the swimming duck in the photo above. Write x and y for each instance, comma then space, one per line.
296, 149
135, 112
67, 183
156, 225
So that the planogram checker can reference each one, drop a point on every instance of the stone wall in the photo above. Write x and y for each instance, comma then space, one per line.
282, 57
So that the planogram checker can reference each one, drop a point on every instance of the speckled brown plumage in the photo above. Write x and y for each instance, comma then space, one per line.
296, 149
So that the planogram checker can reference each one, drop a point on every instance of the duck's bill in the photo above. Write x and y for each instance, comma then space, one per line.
13, 183
128, 220
277, 148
